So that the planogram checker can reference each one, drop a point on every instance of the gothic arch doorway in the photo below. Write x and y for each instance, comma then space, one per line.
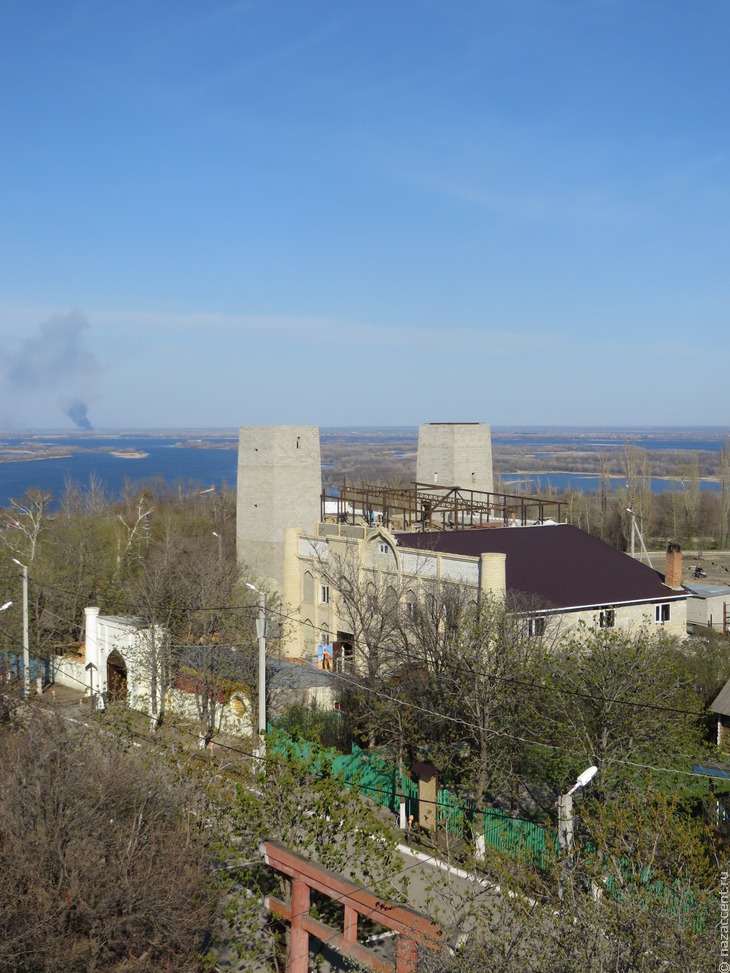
116, 677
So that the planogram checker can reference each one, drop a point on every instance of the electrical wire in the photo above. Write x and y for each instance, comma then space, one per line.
638, 704
459, 721
423, 858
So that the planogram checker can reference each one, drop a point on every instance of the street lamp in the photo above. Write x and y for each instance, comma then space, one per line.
565, 810
261, 633
220, 545
6, 666
26, 655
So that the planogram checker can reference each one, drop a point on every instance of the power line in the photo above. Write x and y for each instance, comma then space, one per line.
638, 704
459, 721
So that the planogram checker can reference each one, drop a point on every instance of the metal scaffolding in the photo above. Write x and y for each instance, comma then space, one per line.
422, 507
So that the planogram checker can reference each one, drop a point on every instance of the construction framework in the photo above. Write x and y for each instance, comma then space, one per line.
412, 927
422, 507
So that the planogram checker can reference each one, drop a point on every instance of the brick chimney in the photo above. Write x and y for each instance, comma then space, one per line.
673, 566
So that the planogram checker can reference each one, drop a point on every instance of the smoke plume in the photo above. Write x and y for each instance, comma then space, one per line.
55, 359
77, 411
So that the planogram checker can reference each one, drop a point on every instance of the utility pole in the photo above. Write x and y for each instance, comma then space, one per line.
261, 633
220, 544
25, 685
565, 823
634, 531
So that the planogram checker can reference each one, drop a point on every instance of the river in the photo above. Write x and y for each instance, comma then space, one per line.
205, 459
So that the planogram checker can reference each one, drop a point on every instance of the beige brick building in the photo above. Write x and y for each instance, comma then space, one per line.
561, 576
291, 536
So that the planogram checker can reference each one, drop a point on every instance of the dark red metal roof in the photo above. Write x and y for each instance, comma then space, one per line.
559, 565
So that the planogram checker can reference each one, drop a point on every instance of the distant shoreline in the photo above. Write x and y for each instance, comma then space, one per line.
527, 474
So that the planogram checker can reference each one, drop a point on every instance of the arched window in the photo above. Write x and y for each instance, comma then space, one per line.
371, 598
409, 604
310, 639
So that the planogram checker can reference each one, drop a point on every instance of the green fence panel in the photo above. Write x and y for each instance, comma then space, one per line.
377, 778
514, 836
454, 814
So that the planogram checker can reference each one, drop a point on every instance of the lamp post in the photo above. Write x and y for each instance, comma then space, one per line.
261, 633
91, 669
565, 810
6, 661
26, 654
220, 546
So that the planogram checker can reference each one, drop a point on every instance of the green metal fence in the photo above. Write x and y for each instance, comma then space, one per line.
377, 778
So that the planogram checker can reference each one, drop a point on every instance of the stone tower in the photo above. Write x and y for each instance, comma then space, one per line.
279, 486
455, 454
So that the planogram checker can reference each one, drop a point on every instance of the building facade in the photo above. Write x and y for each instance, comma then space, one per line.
556, 576
307, 551
455, 454
279, 487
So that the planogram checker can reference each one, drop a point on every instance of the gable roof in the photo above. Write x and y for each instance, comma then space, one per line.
721, 703
560, 565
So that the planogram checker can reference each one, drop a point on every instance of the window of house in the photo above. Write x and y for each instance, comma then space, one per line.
383, 548
535, 626
310, 639
391, 601
324, 594
661, 614
607, 618
371, 598
410, 610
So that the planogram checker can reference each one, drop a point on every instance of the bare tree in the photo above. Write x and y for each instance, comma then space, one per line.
366, 600
25, 520
101, 863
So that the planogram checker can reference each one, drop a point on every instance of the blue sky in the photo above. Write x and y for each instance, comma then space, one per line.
364, 213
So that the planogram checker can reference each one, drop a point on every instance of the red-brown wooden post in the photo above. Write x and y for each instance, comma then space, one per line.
306, 875
299, 961
406, 955
350, 925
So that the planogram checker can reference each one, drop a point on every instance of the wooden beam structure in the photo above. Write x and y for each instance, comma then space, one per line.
411, 927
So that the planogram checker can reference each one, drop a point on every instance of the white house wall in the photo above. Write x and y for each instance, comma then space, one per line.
707, 612
460, 570
419, 565
226, 717
630, 617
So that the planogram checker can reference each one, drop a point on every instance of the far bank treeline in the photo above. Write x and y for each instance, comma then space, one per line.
696, 517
